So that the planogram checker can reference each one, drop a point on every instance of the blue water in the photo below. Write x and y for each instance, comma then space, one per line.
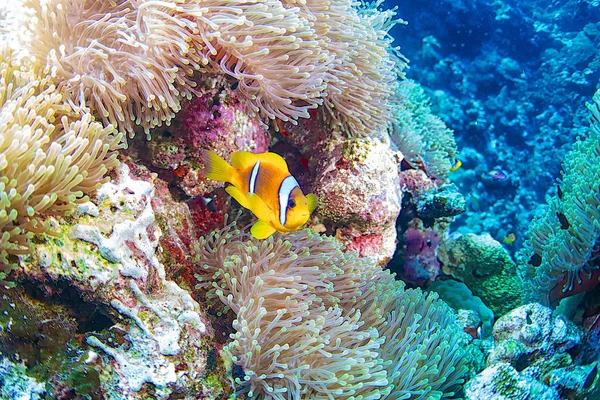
511, 79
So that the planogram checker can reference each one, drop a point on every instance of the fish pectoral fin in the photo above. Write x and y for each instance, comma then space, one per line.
239, 196
262, 230
259, 208
312, 202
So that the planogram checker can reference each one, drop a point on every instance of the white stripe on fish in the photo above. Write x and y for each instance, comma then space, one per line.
253, 175
285, 190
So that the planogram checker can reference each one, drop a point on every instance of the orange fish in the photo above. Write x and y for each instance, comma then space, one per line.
263, 184
457, 166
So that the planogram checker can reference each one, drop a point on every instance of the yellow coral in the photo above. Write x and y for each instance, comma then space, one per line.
49, 156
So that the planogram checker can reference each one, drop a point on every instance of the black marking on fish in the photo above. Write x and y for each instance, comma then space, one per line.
535, 260
591, 377
564, 223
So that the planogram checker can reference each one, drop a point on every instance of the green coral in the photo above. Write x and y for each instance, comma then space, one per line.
422, 137
44, 337
485, 267
313, 320
563, 240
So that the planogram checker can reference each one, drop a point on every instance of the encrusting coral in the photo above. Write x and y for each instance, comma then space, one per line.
49, 155
313, 321
560, 256
108, 254
133, 61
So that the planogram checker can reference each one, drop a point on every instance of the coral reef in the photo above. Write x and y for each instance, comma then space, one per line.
129, 293
509, 78
312, 320
485, 267
535, 356
559, 258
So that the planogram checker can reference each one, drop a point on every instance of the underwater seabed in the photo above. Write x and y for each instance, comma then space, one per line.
441, 260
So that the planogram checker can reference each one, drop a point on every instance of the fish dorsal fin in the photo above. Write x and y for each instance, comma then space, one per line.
245, 159
261, 230
312, 202
238, 196
259, 208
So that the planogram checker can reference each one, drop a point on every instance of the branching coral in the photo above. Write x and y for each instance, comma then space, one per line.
560, 257
313, 321
49, 156
133, 61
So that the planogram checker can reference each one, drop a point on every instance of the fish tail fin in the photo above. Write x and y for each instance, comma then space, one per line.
312, 202
216, 168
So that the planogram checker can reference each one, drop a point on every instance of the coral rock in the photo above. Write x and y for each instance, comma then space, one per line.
215, 121
540, 334
110, 257
421, 264
359, 194
15, 384
532, 359
444, 201
578, 382
485, 267
503, 382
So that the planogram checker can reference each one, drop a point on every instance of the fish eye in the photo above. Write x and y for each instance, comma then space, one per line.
291, 203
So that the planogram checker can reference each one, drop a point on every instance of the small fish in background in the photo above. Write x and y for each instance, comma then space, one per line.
206, 203
509, 239
180, 171
457, 165
498, 175
263, 184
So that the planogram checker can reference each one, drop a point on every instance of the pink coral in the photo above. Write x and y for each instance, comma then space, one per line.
215, 121
359, 194
421, 263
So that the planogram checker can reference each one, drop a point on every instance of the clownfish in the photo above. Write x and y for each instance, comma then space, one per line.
263, 184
